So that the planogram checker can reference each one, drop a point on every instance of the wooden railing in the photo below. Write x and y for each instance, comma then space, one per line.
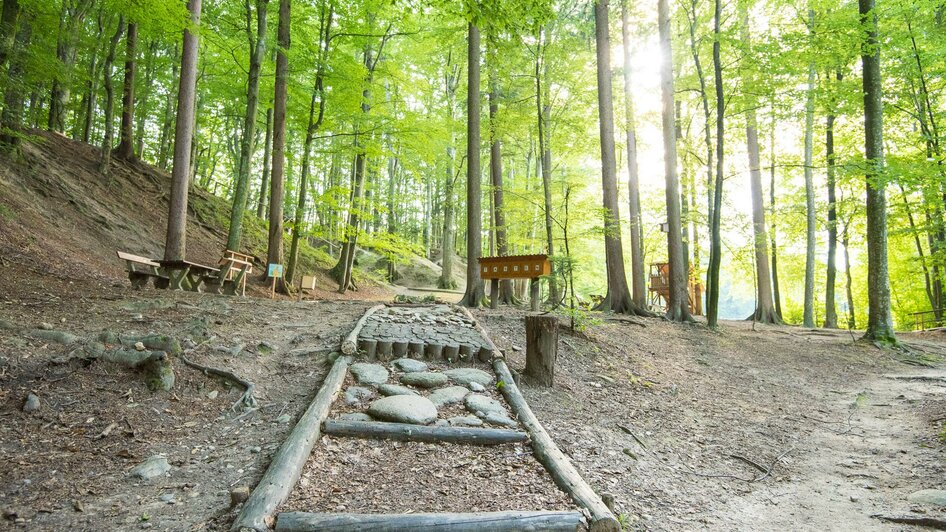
929, 319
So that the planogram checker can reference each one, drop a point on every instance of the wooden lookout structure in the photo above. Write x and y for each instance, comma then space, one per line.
515, 267
660, 288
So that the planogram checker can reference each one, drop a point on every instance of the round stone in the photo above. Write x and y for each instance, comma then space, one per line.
356, 416
929, 497
395, 389
357, 394
465, 421
467, 375
369, 373
499, 418
424, 379
412, 409
448, 395
409, 365
482, 405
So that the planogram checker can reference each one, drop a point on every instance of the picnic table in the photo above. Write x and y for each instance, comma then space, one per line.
187, 275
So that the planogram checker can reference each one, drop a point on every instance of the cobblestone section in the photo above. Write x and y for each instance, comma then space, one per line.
437, 332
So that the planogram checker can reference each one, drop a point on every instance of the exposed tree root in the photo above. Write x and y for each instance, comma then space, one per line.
247, 400
931, 522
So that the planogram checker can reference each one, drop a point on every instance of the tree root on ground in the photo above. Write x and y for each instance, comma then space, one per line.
247, 400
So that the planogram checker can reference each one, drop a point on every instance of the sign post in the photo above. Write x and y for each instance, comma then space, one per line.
273, 272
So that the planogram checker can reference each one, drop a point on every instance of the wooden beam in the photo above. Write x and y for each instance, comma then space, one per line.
284, 471
548, 453
479, 328
406, 432
467, 522
350, 344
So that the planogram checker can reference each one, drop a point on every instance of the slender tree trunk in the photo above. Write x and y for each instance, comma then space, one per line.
879, 321
71, 19
165, 143
773, 228
473, 295
496, 173
274, 253
257, 47
175, 246
12, 117
851, 320
106, 160
830, 313
678, 308
126, 148
638, 286
712, 272
144, 99
264, 182
544, 161
809, 302
448, 245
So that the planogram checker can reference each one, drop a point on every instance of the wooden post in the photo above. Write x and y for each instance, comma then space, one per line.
541, 348
493, 293
534, 294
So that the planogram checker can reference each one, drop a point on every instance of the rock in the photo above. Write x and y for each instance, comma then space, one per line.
424, 379
366, 373
409, 365
213, 394
412, 409
46, 326
476, 387
448, 396
357, 394
7, 326
928, 497
256, 450
394, 389
156, 466
441, 423
31, 404
139, 346
356, 416
482, 405
468, 375
239, 494
283, 418
497, 418
59, 337
168, 498
465, 421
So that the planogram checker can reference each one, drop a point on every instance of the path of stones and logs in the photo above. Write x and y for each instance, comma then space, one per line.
416, 380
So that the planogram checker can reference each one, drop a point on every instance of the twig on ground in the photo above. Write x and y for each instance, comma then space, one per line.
626, 320
748, 461
629, 431
247, 400
108, 430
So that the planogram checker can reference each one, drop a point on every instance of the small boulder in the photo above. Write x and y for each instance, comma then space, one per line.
366, 373
356, 394
476, 387
424, 379
395, 389
928, 497
467, 375
156, 466
412, 409
356, 416
238, 495
500, 418
31, 404
448, 395
482, 405
465, 421
409, 365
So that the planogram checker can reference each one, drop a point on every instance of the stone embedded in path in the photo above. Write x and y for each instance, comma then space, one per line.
412, 409
467, 375
153, 467
448, 395
476, 387
358, 394
497, 418
369, 373
465, 421
356, 416
409, 365
31, 404
929, 497
424, 379
395, 389
482, 405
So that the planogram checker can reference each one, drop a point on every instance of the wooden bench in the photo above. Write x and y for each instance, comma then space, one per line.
141, 270
239, 266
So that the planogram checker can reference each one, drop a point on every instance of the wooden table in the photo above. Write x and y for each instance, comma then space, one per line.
186, 275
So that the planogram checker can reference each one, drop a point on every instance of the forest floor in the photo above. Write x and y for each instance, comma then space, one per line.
654, 415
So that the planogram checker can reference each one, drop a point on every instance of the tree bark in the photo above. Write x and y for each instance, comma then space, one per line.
126, 148
164, 146
808, 319
110, 98
473, 294
274, 254
712, 272
264, 181
12, 116
678, 307
257, 49
175, 246
879, 320
448, 241
496, 173
541, 348
544, 161
830, 313
71, 18
638, 286
845, 241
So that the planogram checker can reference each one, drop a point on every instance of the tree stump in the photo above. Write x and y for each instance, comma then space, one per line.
541, 348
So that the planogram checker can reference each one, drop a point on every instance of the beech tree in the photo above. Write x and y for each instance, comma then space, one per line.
474, 293
274, 253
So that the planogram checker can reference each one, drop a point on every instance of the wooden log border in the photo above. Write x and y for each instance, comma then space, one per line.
479, 328
548, 453
286, 467
434, 434
466, 522
350, 344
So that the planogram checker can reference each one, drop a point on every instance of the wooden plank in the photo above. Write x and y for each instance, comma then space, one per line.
350, 344
463, 522
136, 259
556, 463
406, 432
286, 467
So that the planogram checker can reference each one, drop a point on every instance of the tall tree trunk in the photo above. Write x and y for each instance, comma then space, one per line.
879, 321
544, 161
845, 240
773, 227
618, 297
496, 172
106, 159
12, 117
808, 319
126, 148
175, 245
144, 99
274, 254
830, 312
71, 18
765, 308
473, 294
264, 181
448, 242
9, 22
678, 307
257, 48
638, 286
164, 149
712, 271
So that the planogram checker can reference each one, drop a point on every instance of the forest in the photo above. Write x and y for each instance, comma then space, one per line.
786, 154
